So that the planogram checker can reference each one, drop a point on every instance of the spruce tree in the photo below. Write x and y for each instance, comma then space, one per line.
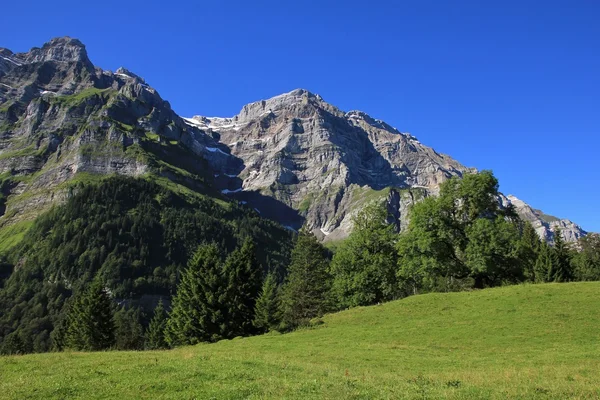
155, 335
243, 273
199, 310
561, 259
90, 320
306, 293
129, 333
543, 264
266, 315
529, 249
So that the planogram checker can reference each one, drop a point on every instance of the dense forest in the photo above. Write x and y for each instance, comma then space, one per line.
83, 271
132, 236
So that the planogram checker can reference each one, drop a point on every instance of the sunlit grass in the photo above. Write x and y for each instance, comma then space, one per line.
529, 341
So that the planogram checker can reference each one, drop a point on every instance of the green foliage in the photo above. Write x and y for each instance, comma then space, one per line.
155, 334
586, 263
534, 342
364, 266
129, 333
267, 316
134, 234
491, 253
244, 275
561, 259
543, 264
463, 235
90, 320
306, 291
199, 307
529, 249
13, 344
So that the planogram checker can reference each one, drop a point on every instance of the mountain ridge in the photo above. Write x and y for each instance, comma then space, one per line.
294, 157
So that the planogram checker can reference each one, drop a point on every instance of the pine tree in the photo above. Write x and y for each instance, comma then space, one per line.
243, 273
129, 333
199, 311
13, 344
306, 293
543, 264
90, 320
529, 249
267, 306
155, 335
561, 259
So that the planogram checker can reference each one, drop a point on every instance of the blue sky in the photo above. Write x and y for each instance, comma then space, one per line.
511, 86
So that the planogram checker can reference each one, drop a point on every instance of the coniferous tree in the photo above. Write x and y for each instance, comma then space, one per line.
199, 306
13, 344
543, 264
243, 273
266, 315
90, 320
155, 335
529, 249
306, 293
586, 262
129, 333
561, 259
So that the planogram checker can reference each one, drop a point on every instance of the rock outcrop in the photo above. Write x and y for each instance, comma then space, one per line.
294, 158
326, 164
60, 116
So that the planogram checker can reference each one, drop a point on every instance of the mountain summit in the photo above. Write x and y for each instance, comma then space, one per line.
293, 158
326, 163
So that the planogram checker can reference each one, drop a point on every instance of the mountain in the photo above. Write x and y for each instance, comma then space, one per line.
60, 116
326, 164
293, 158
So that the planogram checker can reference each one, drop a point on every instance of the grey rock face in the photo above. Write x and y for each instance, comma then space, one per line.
545, 225
327, 164
316, 159
61, 116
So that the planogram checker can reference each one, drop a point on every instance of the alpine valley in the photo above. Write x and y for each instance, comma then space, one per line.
100, 177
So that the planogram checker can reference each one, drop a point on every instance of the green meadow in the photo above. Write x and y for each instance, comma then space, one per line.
521, 342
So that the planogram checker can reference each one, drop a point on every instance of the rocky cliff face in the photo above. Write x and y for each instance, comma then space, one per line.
323, 162
326, 164
60, 117
545, 225
294, 157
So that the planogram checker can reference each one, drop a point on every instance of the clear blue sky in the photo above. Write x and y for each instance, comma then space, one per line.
512, 86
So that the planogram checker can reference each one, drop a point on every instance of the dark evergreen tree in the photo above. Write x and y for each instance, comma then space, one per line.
561, 259
543, 264
243, 273
586, 262
306, 293
129, 333
155, 335
90, 320
13, 344
199, 306
529, 248
266, 315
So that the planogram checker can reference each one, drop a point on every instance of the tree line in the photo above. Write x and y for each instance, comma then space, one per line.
462, 239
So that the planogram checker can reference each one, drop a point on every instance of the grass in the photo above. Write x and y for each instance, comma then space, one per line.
527, 342
11, 235
77, 98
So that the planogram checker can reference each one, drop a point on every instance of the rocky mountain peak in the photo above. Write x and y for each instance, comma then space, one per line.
127, 74
356, 115
61, 49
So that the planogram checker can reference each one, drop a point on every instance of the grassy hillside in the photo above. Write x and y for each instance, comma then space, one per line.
532, 341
